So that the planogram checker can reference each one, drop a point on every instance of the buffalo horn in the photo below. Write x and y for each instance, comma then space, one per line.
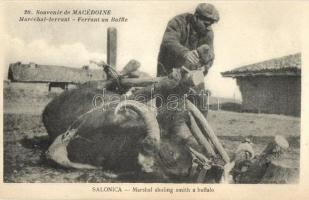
148, 115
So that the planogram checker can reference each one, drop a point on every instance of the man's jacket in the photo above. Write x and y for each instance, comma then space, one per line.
178, 39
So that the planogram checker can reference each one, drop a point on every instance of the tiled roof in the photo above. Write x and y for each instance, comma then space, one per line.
287, 65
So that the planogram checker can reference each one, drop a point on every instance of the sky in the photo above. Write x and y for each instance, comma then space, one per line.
248, 32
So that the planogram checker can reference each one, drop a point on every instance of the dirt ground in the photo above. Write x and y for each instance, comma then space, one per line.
25, 140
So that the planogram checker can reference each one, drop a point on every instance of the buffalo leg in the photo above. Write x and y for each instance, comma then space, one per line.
57, 151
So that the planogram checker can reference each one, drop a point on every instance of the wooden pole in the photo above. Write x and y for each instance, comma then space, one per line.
112, 46
208, 101
234, 98
139, 82
208, 130
198, 135
126, 82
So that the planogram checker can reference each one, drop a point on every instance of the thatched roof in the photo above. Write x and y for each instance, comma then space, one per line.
19, 72
284, 66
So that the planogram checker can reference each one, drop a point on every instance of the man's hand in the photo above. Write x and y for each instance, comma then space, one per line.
192, 57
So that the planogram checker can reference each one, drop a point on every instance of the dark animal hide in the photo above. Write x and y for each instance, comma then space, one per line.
114, 142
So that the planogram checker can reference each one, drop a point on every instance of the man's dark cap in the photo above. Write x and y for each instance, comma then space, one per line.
208, 11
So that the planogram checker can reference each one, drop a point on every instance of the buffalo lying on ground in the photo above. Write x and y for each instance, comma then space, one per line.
133, 139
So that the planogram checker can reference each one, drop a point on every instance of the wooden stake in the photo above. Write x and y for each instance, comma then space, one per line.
112, 46
200, 138
275, 147
208, 130
269, 167
208, 101
280, 173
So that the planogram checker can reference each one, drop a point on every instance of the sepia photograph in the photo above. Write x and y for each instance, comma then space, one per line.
141, 93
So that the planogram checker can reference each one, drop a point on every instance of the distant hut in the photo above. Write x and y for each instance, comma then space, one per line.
271, 86
55, 76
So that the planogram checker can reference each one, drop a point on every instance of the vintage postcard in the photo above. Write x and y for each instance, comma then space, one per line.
154, 99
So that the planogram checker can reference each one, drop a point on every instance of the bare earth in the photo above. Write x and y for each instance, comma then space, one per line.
25, 138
